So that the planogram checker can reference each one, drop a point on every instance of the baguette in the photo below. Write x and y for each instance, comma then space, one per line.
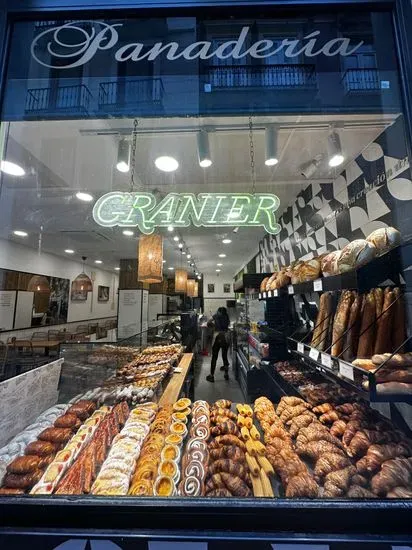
319, 320
399, 322
327, 321
340, 322
257, 486
383, 341
367, 330
379, 299
266, 465
267, 486
350, 345
252, 464
398, 361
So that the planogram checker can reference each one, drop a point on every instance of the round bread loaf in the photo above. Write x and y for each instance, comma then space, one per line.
384, 238
356, 254
263, 284
329, 264
310, 270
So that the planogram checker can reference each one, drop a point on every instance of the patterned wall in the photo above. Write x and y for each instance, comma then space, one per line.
374, 191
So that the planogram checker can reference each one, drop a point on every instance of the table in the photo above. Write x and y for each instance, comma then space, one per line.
174, 387
46, 344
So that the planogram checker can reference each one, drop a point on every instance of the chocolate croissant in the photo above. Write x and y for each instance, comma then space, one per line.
223, 404
227, 451
227, 427
227, 465
223, 412
41, 448
377, 454
329, 417
236, 485
394, 473
24, 464
227, 439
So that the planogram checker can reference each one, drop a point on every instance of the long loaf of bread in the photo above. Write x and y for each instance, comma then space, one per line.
367, 330
350, 345
399, 321
319, 320
340, 322
327, 320
383, 341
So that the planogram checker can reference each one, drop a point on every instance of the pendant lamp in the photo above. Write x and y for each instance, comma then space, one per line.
39, 283
150, 259
196, 294
82, 283
190, 288
180, 280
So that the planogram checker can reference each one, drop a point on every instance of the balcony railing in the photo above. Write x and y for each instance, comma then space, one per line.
281, 77
123, 93
63, 98
361, 80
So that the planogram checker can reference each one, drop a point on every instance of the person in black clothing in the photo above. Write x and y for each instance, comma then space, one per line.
221, 324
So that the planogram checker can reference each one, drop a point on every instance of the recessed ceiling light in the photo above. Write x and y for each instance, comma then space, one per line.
219, 265
98, 261
197, 273
188, 261
128, 233
164, 261
166, 164
117, 268
218, 270
227, 241
184, 253
176, 238
122, 166
170, 268
86, 197
222, 255
271, 162
19, 233
199, 277
69, 251
11, 168
170, 228
189, 256
336, 160
180, 245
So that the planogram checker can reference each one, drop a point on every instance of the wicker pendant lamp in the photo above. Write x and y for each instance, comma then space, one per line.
150, 259
190, 288
196, 294
39, 283
82, 283
180, 280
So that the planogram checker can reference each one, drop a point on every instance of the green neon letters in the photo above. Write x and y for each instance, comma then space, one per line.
184, 209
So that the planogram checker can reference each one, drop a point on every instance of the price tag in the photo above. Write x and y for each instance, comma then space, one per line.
276, 293
326, 360
260, 295
317, 285
314, 354
290, 289
270, 294
346, 371
301, 347
264, 295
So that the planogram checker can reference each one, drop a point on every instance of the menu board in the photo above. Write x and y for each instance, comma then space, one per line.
130, 311
7, 306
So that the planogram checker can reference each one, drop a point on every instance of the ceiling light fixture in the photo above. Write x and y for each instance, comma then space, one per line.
117, 268
82, 283
183, 253
203, 149
128, 233
180, 245
218, 270
170, 268
98, 261
39, 283
222, 255
271, 145
219, 265
170, 228
227, 241
69, 251
308, 170
166, 164
123, 156
82, 196
199, 277
11, 168
164, 261
19, 233
336, 157
189, 256
175, 238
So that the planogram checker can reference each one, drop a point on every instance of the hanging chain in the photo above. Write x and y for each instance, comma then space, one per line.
252, 156
133, 156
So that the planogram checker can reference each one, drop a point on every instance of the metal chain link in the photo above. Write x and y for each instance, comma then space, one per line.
133, 156
252, 155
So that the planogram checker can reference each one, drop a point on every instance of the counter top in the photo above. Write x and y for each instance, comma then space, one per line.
174, 387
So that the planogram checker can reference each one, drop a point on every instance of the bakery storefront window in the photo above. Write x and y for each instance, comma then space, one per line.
231, 194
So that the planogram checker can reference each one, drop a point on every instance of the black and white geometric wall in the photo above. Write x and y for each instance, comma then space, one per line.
374, 191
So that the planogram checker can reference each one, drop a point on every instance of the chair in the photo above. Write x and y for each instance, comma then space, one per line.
39, 336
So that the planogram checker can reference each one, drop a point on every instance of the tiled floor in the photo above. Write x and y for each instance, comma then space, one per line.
221, 388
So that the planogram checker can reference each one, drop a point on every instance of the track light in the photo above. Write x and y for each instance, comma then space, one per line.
271, 145
203, 149
336, 157
308, 170
123, 156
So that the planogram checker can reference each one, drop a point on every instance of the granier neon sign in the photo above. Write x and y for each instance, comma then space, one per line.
143, 211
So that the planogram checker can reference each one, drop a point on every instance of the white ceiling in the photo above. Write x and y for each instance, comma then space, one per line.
61, 158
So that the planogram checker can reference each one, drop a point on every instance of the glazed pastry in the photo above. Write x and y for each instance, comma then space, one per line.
68, 420
338, 481
338, 428
56, 435
324, 408
394, 473
235, 485
330, 462
22, 481
360, 492
229, 466
24, 464
302, 486
377, 454
314, 449
227, 440
41, 448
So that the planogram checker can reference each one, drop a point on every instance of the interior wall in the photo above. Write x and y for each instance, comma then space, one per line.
373, 191
213, 300
23, 258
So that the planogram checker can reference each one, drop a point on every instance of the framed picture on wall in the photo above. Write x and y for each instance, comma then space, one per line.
226, 288
103, 293
211, 288
78, 295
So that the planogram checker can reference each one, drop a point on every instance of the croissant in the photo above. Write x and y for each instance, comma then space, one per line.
301, 421
291, 412
316, 432
329, 418
351, 428
302, 486
337, 482
394, 473
324, 408
314, 449
236, 485
223, 404
400, 492
234, 453
338, 428
220, 419
377, 454
220, 493
223, 412
290, 401
330, 462
227, 439
362, 440
287, 466
346, 408
227, 427
229, 466
217, 481
360, 480
359, 492
277, 431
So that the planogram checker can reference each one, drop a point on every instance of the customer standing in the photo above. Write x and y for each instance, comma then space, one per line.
221, 324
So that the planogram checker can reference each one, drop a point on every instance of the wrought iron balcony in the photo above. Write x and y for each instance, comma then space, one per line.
74, 99
361, 80
123, 93
280, 77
